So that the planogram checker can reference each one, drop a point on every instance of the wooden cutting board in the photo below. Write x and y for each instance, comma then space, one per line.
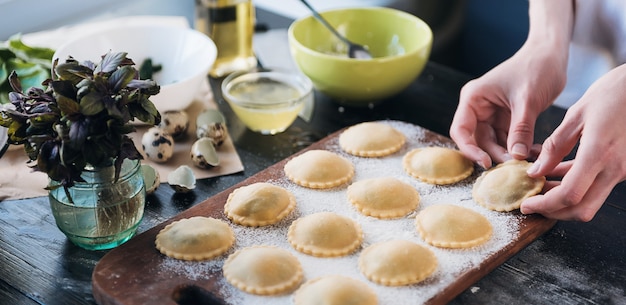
132, 274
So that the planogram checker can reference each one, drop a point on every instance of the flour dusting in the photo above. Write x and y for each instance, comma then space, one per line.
451, 262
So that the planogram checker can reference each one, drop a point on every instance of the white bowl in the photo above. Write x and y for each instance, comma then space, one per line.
186, 56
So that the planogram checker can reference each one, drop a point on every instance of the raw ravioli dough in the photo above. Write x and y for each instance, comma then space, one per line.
325, 234
397, 263
263, 270
371, 139
452, 226
437, 165
504, 187
195, 238
319, 169
259, 204
384, 197
335, 290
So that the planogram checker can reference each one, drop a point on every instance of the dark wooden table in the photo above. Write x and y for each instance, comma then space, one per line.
574, 263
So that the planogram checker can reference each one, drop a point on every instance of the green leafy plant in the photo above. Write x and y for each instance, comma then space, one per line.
33, 64
82, 117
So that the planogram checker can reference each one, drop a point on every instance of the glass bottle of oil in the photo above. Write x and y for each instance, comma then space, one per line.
230, 24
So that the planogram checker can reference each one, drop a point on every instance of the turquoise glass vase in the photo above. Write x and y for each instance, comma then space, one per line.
101, 213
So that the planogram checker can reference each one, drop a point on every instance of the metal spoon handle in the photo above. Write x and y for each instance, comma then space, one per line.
324, 22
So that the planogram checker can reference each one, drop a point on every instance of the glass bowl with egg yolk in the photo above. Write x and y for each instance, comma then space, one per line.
267, 101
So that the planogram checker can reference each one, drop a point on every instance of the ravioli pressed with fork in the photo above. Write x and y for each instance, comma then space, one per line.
259, 204
437, 165
504, 187
263, 270
319, 169
371, 139
384, 197
397, 263
452, 226
335, 290
195, 238
325, 234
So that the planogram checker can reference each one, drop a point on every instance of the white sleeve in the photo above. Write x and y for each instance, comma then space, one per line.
598, 45
602, 24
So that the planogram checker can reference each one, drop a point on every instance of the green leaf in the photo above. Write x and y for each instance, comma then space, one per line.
48, 158
5, 53
32, 64
14, 81
31, 75
4, 72
73, 72
110, 62
79, 130
149, 106
63, 88
45, 119
67, 105
145, 111
127, 151
121, 77
147, 69
17, 132
5, 119
38, 55
92, 103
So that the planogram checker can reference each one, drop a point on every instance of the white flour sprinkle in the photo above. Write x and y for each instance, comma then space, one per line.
451, 263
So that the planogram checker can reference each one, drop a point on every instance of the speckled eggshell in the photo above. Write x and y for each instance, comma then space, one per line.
157, 144
174, 122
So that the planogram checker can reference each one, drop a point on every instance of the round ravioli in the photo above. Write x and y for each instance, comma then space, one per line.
335, 290
452, 226
397, 263
259, 204
384, 197
319, 169
504, 187
437, 165
195, 238
371, 139
263, 270
325, 234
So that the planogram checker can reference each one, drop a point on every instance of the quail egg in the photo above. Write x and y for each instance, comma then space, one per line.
203, 153
182, 179
157, 144
212, 124
151, 178
174, 122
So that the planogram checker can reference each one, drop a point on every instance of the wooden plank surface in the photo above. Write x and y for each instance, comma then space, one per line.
127, 275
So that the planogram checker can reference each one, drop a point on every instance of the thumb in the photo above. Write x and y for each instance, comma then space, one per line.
521, 134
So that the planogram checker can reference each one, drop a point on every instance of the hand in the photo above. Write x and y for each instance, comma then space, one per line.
497, 112
597, 120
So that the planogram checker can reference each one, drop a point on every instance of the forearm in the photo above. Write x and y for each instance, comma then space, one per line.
551, 24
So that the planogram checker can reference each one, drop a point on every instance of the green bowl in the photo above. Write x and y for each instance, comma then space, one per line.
399, 42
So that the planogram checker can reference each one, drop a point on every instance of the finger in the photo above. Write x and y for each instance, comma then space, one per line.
582, 182
558, 145
561, 169
521, 132
501, 135
477, 155
462, 131
486, 138
565, 195
550, 184
535, 149
585, 211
